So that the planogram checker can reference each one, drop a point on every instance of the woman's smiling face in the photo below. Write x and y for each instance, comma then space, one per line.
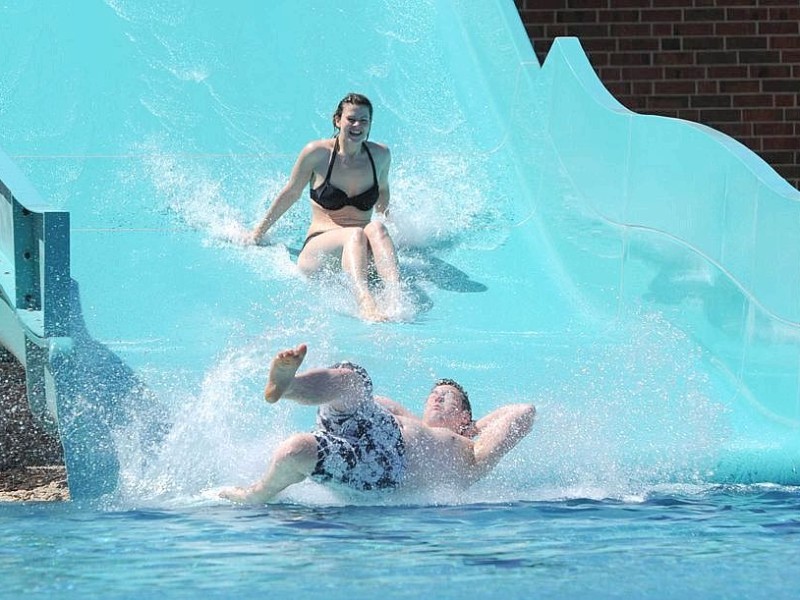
354, 123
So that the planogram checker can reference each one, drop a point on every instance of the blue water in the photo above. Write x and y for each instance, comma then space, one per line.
161, 129
711, 542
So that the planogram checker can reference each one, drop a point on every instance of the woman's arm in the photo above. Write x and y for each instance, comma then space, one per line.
301, 174
384, 164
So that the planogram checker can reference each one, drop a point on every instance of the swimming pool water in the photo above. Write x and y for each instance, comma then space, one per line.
703, 542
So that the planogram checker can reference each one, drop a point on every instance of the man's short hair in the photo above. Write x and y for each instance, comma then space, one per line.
459, 387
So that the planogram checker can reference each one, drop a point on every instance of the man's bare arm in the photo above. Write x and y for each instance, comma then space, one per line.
498, 432
395, 407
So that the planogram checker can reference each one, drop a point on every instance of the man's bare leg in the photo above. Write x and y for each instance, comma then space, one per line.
293, 461
282, 371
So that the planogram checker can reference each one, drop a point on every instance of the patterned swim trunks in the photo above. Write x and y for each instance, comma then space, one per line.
363, 449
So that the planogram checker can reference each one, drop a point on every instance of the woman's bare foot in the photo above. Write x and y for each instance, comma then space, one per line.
282, 370
368, 309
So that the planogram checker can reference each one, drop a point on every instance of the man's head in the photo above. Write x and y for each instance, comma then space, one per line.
448, 406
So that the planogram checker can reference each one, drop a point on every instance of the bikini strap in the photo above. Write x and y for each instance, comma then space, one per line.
372, 162
333, 158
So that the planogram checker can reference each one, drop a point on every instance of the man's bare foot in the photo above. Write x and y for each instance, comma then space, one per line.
282, 370
234, 494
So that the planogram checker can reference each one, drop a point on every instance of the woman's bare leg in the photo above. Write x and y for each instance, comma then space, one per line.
351, 244
383, 253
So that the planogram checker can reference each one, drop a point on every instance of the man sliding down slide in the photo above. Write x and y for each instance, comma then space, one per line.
372, 443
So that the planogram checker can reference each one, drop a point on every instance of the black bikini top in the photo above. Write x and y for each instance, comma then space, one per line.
330, 197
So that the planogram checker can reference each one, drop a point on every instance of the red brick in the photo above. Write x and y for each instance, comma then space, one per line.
786, 100
704, 15
630, 58
754, 143
716, 58
736, 130
759, 56
771, 71
753, 100
728, 71
538, 16
601, 59
786, 13
673, 58
647, 44
746, 43
746, 14
687, 28
741, 86
544, 4
592, 45
763, 129
781, 85
779, 156
632, 3
662, 29
711, 101
720, 115
708, 88
762, 114
688, 115
624, 30
619, 16
781, 143
610, 74
779, 42
778, 28
576, 16
558, 30
703, 43
618, 88
684, 72
657, 15
667, 102
735, 28
588, 3
675, 87
640, 73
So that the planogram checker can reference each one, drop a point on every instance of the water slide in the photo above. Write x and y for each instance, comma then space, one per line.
633, 276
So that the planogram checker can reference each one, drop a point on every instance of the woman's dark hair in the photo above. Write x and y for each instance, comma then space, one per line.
357, 99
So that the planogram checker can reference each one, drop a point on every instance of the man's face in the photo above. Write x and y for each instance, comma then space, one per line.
445, 408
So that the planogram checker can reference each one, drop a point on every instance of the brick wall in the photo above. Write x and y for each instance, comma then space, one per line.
731, 64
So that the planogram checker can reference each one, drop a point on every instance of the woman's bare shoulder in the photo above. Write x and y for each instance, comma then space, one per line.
324, 145
378, 149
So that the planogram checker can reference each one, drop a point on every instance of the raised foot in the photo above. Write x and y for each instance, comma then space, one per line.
282, 370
